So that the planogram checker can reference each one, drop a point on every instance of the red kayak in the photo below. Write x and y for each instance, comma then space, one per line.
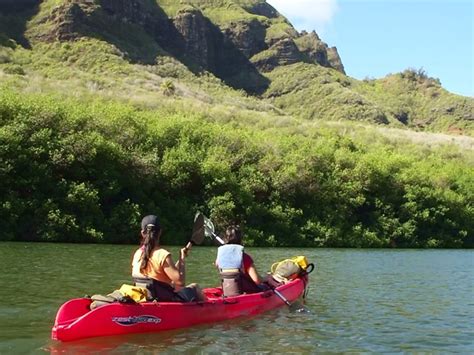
75, 320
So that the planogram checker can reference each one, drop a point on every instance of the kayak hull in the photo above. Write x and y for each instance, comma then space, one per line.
75, 320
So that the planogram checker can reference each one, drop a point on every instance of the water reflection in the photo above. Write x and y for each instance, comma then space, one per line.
230, 336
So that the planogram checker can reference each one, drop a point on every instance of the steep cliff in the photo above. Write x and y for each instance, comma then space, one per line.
235, 40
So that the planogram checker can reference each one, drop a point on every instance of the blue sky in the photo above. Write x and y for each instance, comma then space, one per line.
378, 37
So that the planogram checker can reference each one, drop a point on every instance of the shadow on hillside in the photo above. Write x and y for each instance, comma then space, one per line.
143, 31
218, 55
14, 15
233, 67
131, 26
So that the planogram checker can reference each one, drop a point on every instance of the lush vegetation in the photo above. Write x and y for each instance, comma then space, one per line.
86, 172
97, 131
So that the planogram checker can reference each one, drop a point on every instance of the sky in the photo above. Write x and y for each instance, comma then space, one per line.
377, 37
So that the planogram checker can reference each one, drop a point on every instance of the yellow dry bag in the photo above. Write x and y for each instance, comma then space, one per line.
138, 294
289, 269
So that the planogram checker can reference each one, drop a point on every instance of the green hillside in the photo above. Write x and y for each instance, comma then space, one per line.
114, 41
410, 99
110, 109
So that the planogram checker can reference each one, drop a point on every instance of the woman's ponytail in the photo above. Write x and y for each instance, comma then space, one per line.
149, 242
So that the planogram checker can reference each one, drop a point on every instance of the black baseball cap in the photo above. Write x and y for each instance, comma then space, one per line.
150, 220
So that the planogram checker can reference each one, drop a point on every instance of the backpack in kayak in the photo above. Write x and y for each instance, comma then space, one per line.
289, 269
136, 293
115, 296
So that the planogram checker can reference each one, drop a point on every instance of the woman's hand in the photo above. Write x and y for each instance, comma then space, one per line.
184, 253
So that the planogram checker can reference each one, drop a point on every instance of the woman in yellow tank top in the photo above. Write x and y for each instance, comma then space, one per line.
153, 266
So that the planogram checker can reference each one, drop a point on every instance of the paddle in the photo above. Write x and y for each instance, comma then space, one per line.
209, 232
198, 235
209, 229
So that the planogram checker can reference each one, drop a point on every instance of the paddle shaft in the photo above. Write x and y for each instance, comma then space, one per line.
283, 298
189, 245
219, 239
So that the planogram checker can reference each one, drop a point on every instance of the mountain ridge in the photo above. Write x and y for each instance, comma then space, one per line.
249, 46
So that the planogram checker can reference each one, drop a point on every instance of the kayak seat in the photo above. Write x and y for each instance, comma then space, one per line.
157, 290
231, 280
162, 292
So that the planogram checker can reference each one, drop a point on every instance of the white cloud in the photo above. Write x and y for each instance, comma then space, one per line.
307, 14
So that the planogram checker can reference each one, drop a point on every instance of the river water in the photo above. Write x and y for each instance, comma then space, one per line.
359, 301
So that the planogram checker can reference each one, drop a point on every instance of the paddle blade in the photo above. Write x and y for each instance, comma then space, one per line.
198, 229
208, 227
298, 307
209, 230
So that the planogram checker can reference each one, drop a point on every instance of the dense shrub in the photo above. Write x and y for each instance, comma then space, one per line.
14, 69
87, 172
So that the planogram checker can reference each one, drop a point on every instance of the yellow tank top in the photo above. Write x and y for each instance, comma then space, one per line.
154, 268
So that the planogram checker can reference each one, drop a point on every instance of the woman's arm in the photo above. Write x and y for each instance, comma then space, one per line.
176, 272
252, 271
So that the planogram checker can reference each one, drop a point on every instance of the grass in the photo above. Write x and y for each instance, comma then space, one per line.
91, 68
124, 63
416, 102
279, 29
423, 101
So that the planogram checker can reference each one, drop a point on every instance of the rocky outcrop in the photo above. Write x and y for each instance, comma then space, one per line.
262, 9
335, 60
247, 36
134, 11
240, 47
250, 38
313, 48
316, 51
144, 14
284, 52
287, 52
65, 22
81, 18
197, 36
